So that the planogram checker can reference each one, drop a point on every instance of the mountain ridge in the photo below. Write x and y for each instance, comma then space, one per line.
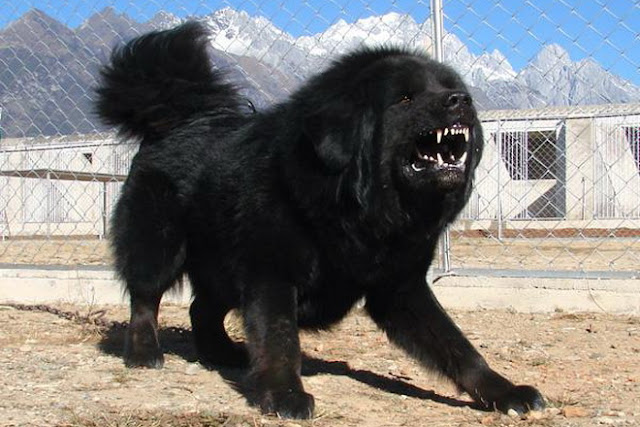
48, 69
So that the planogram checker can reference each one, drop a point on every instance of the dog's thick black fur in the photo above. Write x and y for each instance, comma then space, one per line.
293, 214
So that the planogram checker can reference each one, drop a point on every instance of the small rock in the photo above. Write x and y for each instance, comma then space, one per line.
575, 412
513, 413
609, 421
192, 369
489, 420
614, 414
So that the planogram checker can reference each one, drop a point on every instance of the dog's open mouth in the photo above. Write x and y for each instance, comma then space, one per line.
442, 148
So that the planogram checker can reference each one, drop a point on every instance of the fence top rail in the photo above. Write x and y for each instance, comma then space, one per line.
563, 112
63, 141
63, 175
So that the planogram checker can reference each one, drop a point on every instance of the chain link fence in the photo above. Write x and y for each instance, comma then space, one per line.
558, 87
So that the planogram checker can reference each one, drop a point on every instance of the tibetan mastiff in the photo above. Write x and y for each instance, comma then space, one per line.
293, 214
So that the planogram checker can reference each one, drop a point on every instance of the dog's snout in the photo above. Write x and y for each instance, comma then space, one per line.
457, 100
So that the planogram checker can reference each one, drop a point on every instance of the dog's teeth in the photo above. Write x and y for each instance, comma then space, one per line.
452, 158
446, 131
463, 158
465, 132
440, 161
438, 136
416, 168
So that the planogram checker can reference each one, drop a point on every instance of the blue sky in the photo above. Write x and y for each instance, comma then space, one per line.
608, 31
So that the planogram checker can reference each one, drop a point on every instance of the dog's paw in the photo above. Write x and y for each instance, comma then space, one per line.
521, 399
142, 351
288, 404
153, 359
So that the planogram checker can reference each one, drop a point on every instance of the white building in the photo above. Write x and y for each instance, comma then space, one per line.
63, 186
573, 164
574, 167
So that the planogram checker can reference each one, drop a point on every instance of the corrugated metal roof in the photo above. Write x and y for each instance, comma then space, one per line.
564, 112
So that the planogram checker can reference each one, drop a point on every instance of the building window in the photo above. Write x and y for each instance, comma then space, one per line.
530, 155
616, 167
48, 201
88, 157
632, 133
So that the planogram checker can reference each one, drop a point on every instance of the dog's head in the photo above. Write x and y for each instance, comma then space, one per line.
432, 135
388, 118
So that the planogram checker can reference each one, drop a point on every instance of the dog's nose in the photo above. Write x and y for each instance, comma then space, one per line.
457, 100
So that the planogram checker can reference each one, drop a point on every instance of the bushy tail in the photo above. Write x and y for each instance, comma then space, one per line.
161, 80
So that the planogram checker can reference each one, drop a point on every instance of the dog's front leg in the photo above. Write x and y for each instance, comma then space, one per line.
272, 333
415, 321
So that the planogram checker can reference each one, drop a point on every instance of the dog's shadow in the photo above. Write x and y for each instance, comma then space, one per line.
178, 341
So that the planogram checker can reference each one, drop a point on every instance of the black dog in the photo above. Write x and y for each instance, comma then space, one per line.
293, 214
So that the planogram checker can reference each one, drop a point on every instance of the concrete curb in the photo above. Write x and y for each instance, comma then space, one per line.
99, 285
38, 285
615, 296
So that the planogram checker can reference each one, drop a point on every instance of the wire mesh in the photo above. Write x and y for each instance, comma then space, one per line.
558, 87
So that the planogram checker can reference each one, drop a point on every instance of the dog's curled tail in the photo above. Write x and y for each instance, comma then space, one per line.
161, 80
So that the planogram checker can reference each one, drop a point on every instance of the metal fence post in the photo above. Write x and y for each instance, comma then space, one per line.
438, 31
499, 178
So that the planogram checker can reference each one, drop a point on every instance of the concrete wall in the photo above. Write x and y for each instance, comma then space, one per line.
579, 180
48, 205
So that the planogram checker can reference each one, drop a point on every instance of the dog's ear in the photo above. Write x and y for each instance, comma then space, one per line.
333, 148
338, 130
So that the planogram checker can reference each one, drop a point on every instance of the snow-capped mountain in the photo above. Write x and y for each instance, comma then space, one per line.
552, 78
48, 69
393, 28
560, 81
240, 34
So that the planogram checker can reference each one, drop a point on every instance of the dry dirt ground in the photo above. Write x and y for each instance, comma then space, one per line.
62, 370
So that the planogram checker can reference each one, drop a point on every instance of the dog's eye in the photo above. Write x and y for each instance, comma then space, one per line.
405, 99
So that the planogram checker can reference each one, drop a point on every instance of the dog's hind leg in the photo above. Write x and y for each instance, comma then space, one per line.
149, 249
212, 341
142, 347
